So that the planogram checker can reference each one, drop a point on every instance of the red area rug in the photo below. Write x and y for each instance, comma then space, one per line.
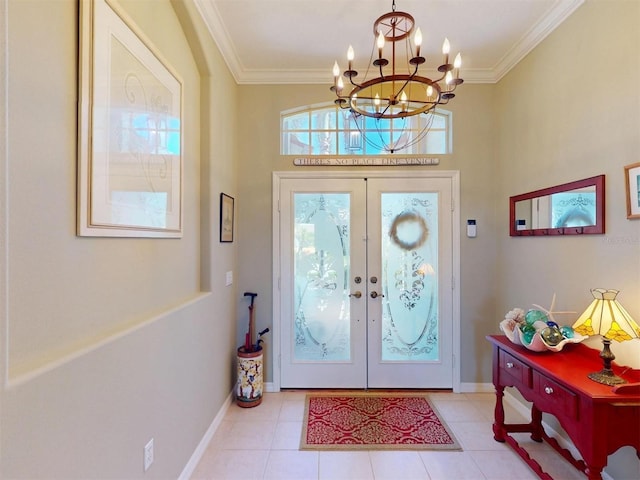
374, 421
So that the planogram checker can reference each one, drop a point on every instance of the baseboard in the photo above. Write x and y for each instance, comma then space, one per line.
269, 387
476, 388
188, 470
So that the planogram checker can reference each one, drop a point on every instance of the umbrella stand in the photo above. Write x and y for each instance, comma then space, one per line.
250, 360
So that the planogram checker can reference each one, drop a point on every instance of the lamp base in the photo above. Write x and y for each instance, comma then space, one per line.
606, 377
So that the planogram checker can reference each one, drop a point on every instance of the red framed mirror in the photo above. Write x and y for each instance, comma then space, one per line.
574, 208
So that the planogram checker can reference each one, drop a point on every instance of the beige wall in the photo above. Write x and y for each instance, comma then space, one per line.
110, 342
571, 110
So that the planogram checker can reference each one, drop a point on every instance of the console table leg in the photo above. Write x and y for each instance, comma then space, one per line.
593, 473
498, 416
536, 424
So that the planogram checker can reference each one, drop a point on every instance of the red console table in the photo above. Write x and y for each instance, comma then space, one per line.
598, 419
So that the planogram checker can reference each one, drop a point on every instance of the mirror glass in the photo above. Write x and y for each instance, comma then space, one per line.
569, 209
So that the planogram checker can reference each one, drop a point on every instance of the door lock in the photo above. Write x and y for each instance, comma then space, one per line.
376, 294
357, 279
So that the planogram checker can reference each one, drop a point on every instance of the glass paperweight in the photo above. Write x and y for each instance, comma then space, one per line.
567, 331
552, 336
528, 331
533, 316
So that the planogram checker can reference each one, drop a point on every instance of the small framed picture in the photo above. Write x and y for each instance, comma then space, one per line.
632, 181
226, 218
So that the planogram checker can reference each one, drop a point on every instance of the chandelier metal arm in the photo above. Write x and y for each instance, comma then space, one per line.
438, 80
384, 112
406, 82
389, 78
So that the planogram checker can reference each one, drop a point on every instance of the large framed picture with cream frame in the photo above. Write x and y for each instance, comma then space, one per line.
130, 130
632, 181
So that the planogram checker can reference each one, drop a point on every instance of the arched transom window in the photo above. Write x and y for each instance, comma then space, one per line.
328, 130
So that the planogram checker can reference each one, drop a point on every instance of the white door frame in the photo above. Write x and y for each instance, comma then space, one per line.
454, 175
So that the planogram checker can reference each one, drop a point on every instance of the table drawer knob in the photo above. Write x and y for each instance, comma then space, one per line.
509, 364
548, 390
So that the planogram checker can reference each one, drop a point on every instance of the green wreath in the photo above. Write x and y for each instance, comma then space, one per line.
406, 217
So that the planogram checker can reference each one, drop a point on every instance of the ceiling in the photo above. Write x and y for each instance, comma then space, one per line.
297, 41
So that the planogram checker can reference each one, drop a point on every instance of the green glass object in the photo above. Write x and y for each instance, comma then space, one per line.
528, 331
567, 331
532, 316
552, 336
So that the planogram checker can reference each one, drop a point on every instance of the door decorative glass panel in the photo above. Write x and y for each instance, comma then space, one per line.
321, 273
409, 276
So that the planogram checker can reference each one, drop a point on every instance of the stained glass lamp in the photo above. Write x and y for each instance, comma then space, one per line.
606, 317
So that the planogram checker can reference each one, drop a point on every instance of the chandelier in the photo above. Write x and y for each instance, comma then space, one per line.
398, 92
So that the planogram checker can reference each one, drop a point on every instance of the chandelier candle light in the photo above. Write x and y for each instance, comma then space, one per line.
606, 317
398, 91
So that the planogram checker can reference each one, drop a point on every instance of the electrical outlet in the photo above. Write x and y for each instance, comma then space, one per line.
148, 455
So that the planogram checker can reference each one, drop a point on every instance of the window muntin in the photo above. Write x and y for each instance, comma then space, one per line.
328, 130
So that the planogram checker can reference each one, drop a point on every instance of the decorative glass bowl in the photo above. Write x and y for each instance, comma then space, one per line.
535, 342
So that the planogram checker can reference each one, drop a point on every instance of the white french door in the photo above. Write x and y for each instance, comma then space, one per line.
365, 270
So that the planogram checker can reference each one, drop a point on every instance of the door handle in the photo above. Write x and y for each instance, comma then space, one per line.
358, 294
376, 294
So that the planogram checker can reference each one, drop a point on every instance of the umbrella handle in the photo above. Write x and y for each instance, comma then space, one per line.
252, 295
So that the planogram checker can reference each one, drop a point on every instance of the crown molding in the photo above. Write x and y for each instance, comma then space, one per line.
320, 77
531, 39
243, 76
212, 19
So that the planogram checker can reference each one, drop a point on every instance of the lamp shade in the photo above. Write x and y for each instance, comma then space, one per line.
605, 316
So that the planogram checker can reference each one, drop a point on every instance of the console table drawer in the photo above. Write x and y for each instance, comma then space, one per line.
514, 370
554, 398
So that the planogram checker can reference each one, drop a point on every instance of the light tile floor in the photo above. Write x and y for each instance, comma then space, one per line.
262, 443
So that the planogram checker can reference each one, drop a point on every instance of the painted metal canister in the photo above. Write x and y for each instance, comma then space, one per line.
250, 382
